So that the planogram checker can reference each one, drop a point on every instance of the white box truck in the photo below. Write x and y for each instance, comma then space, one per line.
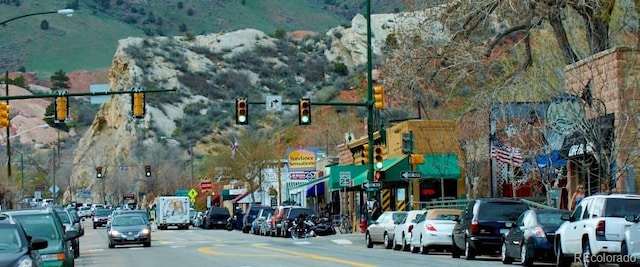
172, 211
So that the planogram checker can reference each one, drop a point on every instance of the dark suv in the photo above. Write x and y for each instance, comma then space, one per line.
45, 223
18, 248
480, 229
251, 215
216, 217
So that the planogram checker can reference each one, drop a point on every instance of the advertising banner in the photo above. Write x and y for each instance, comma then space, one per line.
302, 159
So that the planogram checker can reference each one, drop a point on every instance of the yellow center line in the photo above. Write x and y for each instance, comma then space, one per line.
315, 256
209, 251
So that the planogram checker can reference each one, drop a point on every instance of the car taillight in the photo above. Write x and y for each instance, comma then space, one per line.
410, 228
600, 228
475, 227
430, 227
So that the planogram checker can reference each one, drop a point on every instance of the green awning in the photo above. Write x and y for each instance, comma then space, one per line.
394, 167
354, 171
443, 166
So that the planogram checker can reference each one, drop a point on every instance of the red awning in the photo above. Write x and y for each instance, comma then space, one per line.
240, 197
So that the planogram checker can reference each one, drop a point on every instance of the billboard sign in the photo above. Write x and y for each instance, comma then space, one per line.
301, 159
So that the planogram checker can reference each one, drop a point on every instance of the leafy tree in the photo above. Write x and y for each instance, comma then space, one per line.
182, 27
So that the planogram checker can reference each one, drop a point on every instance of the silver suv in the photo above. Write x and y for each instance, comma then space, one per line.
593, 233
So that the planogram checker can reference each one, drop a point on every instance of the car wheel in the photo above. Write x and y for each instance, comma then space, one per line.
469, 252
624, 251
405, 246
111, 245
526, 254
503, 254
455, 251
76, 250
561, 260
586, 254
423, 249
147, 244
94, 226
387, 242
368, 240
395, 244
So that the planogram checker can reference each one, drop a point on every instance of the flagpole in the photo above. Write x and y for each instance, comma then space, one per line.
513, 179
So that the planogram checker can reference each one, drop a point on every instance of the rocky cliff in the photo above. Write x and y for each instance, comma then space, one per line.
119, 143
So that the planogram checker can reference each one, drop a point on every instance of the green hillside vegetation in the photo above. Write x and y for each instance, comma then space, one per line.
88, 39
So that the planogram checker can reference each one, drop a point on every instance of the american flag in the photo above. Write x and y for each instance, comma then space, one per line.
504, 153
234, 147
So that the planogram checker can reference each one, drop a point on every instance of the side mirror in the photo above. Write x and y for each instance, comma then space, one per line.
71, 234
565, 217
39, 243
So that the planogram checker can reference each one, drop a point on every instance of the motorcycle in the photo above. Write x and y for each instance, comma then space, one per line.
302, 227
231, 223
323, 226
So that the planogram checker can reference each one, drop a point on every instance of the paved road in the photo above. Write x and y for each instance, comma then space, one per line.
197, 247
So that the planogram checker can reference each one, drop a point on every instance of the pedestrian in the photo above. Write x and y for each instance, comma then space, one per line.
375, 209
604, 188
577, 196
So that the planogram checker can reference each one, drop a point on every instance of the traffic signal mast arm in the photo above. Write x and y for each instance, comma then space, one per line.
53, 95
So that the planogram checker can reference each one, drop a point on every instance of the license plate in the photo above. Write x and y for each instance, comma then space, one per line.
504, 231
220, 221
130, 238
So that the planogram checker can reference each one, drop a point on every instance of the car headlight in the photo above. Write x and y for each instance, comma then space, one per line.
53, 257
145, 231
25, 262
114, 233
95, 219
538, 232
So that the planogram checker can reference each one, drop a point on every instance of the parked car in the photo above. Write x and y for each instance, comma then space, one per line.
278, 219
44, 223
481, 226
402, 231
70, 224
596, 227
531, 236
216, 217
382, 229
101, 217
16, 247
630, 247
432, 230
249, 216
260, 217
129, 229
265, 225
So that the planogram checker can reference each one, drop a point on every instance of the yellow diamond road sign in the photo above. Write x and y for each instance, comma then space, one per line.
192, 193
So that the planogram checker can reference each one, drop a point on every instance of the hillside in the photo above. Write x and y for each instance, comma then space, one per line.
88, 39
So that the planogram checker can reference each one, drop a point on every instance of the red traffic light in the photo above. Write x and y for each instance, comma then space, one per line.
378, 176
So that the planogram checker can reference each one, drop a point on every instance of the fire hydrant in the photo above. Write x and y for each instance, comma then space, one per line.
363, 225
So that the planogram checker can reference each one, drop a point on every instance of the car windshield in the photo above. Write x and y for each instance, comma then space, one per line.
219, 211
267, 212
39, 226
127, 221
64, 217
9, 240
550, 218
501, 211
620, 207
444, 215
104, 212
295, 212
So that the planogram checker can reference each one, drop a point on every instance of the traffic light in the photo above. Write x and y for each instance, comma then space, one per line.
62, 109
379, 156
378, 176
242, 112
98, 172
4, 114
138, 105
365, 154
378, 97
305, 111
147, 171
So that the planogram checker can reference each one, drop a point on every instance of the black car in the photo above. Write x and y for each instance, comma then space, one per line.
216, 217
16, 247
101, 217
250, 216
531, 236
483, 223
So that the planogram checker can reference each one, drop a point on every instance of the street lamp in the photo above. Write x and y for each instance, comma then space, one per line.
190, 153
67, 12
